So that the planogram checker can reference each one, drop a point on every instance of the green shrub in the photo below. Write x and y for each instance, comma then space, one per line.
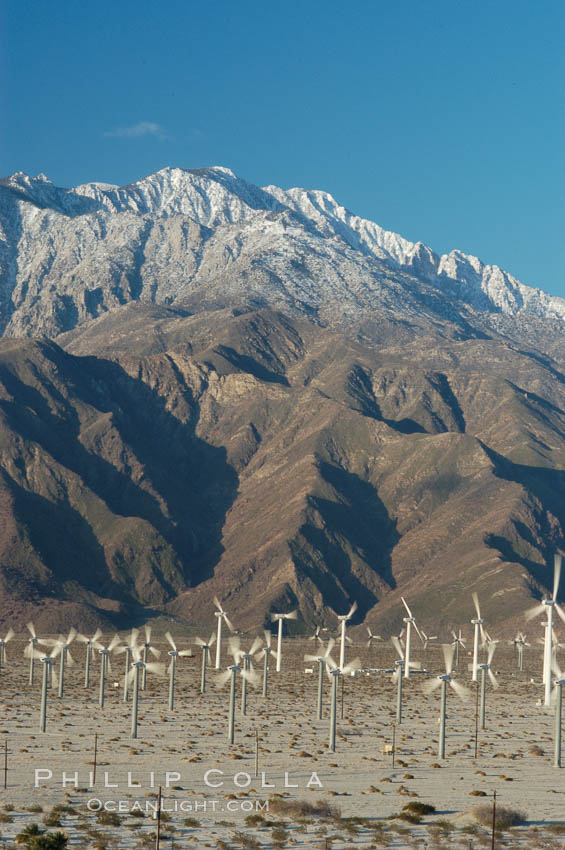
417, 808
35, 838
108, 818
52, 818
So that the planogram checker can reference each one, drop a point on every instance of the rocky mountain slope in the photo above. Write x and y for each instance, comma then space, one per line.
211, 388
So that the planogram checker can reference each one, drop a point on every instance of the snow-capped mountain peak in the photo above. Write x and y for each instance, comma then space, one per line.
68, 254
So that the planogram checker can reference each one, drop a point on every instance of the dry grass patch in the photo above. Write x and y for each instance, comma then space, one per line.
302, 809
505, 816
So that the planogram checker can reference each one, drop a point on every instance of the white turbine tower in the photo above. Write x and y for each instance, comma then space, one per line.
174, 654
444, 681
558, 697
279, 618
105, 666
128, 649
48, 675
334, 672
343, 618
206, 647
322, 661
137, 668
9, 636
398, 674
230, 675
29, 651
478, 624
265, 654
91, 643
486, 668
221, 615
547, 606
410, 621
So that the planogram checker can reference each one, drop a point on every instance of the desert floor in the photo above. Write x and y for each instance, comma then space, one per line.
359, 785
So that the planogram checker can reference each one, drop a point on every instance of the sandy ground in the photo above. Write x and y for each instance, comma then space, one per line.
515, 757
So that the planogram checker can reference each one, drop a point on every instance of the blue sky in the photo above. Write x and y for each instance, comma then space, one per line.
443, 121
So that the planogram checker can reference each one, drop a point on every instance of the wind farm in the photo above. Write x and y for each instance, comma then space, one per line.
362, 735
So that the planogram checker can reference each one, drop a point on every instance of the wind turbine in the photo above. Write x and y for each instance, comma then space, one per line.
137, 667
444, 680
334, 672
456, 643
486, 668
558, 697
9, 636
29, 651
547, 605
398, 674
265, 654
410, 621
147, 648
426, 639
91, 643
372, 637
343, 618
62, 645
206, 647
230, 674
519, 643
247, 657
128, 649
316, 635
221, 615
280, 617
105, 666
322, 661
174, 653
478, 624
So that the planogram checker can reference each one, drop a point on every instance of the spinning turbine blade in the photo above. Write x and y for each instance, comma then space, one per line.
406, 606
397, 645
477, 607
534, 612
448, 653
114, 642
556, 575
352, 666
251, 676
461, 692
222, 678
256, 645
429, 686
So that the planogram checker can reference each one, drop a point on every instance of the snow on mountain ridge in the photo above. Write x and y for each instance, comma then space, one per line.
215, 198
